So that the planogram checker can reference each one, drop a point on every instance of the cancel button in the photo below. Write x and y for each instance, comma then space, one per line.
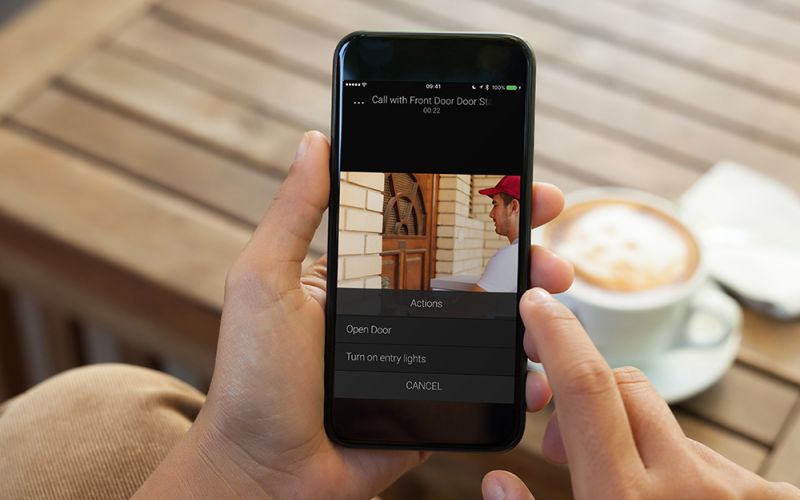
423, 385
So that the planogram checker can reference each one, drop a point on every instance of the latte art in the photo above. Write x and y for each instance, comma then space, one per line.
623, 246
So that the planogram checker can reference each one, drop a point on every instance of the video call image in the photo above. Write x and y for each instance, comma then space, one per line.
428, 232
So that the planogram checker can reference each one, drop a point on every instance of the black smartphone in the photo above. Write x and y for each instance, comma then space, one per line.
429, 240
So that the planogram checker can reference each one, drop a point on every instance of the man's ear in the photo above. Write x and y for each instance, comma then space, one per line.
514, 206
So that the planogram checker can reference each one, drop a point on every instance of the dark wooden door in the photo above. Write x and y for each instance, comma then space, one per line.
408, 225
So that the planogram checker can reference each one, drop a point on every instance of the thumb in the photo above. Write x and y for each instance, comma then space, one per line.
281, 240
503, 485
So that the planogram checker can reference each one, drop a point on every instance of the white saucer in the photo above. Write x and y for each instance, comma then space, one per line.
681, 373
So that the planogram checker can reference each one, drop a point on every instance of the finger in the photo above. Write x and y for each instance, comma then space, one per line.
547, 203
317, 269
314, 279
503, 485
552, 445
282, 237
647, 411
537, 391
529, 339
550, 271
529, 345
594, 426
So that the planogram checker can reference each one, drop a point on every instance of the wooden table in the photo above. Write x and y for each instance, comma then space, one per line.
141, 141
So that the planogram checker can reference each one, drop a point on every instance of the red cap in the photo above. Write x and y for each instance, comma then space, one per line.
509, 185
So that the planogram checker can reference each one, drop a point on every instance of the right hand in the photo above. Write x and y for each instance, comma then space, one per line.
617, 434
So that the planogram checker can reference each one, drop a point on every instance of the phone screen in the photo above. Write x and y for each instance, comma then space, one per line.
432, 211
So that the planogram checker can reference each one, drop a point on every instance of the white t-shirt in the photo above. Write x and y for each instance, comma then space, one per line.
501, 270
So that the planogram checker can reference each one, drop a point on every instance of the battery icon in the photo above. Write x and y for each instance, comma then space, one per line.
511, 87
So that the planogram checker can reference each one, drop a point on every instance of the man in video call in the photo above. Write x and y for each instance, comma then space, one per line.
501, 270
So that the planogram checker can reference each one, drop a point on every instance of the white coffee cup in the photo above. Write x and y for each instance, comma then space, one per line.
633, 326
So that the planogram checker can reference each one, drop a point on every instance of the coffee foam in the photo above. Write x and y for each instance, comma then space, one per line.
624, 246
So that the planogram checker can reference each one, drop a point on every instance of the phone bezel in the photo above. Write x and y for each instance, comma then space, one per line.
462, 65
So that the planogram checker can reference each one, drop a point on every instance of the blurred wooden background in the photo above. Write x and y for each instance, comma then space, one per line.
141, 141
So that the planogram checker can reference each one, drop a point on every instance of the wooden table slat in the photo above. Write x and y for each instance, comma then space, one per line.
31, 56
186, 109
254, 29
552, 173
105, 214
753, 68
287, 95
772, 345
747, 402
784, 464
744, 452
746, 21
352, 15
607, 161
789, 9
662, 130
216, 181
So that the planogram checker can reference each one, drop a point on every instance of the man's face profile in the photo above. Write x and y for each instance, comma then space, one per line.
505, 213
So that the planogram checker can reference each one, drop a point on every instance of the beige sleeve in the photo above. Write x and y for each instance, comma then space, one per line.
92, 432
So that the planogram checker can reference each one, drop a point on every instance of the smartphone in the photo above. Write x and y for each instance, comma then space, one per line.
429, 240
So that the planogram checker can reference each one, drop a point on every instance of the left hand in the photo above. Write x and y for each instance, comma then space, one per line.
262, 424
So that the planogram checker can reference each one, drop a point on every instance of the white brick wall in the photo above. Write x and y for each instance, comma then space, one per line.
360, 227
460, 235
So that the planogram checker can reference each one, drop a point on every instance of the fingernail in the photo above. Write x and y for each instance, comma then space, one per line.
303, 146
538, 295
494, 491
